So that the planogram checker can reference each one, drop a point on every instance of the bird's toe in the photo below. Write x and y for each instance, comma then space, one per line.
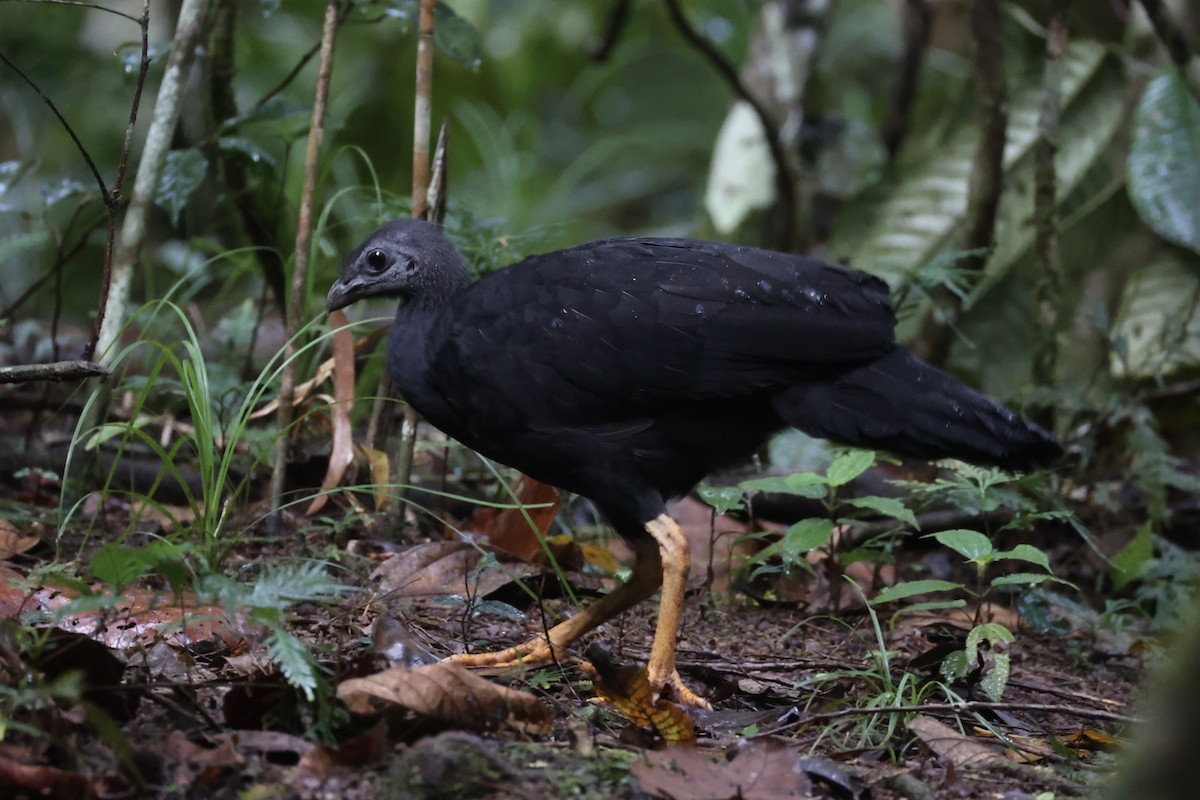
672, 687
533, 653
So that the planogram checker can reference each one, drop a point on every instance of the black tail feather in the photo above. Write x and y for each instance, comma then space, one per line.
901, 404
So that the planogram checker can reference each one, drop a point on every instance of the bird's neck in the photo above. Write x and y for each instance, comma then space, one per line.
444, 277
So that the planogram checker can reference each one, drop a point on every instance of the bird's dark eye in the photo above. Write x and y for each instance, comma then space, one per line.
377, 261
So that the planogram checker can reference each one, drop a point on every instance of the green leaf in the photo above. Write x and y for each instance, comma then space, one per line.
971, 545
888, 506
456, 37
992, 632
1024, 552
298, 666
1131, 561
920, 211
102, 433
955, 666
909, 588
1022, 579
1157, 327
807, 535
849, 466
181, 176
1164, 160
256, 154
931, 605
996, 679
721, 498
117, 566
802, 484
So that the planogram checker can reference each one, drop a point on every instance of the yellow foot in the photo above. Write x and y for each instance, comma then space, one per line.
533, 653
672, 687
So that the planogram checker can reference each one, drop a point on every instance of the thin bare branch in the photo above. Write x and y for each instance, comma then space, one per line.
110, 239
963, 708
785, 180
1045, 198
987, 177
918, 19
617, 19
93, 6
316, 137
54, 371
104, 193
154, 156
422, 113
987, 171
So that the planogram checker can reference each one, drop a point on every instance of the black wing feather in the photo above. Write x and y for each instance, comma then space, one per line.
636, 323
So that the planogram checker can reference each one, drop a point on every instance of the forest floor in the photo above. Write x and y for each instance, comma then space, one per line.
181, 689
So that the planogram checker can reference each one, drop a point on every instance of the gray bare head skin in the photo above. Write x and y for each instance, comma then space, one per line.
408, 259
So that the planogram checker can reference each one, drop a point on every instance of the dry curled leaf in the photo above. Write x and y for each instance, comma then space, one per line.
952, 747
12, 543
448, 693
341, 453
442, 568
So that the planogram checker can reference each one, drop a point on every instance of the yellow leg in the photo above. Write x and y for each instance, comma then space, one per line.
676, 564
646, 578
664, 560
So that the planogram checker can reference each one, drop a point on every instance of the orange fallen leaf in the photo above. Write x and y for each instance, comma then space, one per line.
509, 528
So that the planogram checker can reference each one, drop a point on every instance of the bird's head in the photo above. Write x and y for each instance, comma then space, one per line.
408, 258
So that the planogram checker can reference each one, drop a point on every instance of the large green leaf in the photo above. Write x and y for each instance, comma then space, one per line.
182, 174
456, 37
1158, 326
1164, 160
902, 225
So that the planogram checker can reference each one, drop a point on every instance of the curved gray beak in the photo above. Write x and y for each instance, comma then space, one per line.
343, 293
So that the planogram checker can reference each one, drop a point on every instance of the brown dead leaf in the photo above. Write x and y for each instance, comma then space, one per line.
442, 568
448, 693
762, 770
964, 618
12, 543
952, 747
712, 542
368, 748
509, 529
41, 781
341, 452
195, 766
140, 618
12, 595
143, 617
627, 689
